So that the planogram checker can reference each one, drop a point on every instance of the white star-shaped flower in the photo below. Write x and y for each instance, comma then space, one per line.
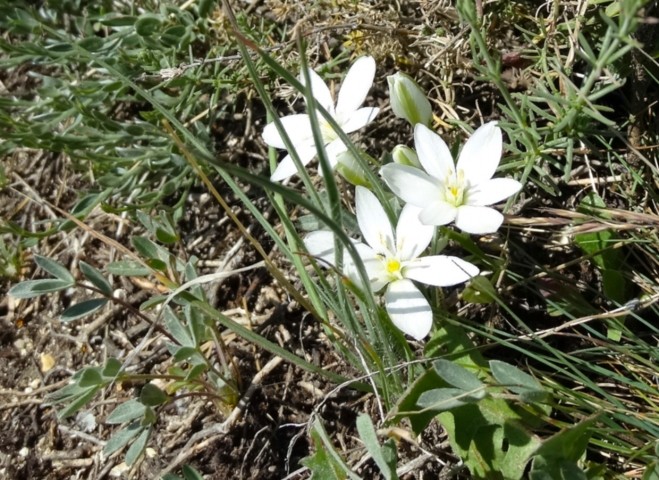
347, 114
392, 260
447, 192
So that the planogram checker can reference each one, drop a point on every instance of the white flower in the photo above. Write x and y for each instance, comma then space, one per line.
392, 261
347, 114
449, 192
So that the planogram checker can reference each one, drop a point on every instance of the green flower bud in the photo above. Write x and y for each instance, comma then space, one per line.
408, 100
405, 156
349, 168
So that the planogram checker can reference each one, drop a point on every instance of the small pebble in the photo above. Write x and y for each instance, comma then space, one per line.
119, 470
47, 362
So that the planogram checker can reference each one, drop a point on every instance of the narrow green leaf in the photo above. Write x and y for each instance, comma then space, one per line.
369, 436
157, 264
443, 399
96, 278
137, 448
145, 247
126, 412
121, 438
82, 309
86, 205
35, 288
326, 463
128, 268
598, 117
459, 377
78, 403
152, 302
65, 393
166, 236
54, 268
515, 380
177, 329
196, 324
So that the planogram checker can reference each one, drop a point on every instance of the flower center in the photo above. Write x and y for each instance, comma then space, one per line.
393, 265
327, 131
394, 268
455, 188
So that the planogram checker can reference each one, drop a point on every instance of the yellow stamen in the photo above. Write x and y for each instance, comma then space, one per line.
455, 188
393, 266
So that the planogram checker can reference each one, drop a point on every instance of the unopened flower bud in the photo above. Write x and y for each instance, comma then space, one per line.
405, 156
349, 168
408, 100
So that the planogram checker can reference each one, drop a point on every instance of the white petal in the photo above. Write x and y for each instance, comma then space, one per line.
358, 119
481, 155
321, 244
412, 236
296, 126
356, 85
375, 267
438, 213
411, 184
333, 150
320, 92
440, 270
478, 220
377, 273
286, 167
433, 152
373, 221
492, 191
408, 309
